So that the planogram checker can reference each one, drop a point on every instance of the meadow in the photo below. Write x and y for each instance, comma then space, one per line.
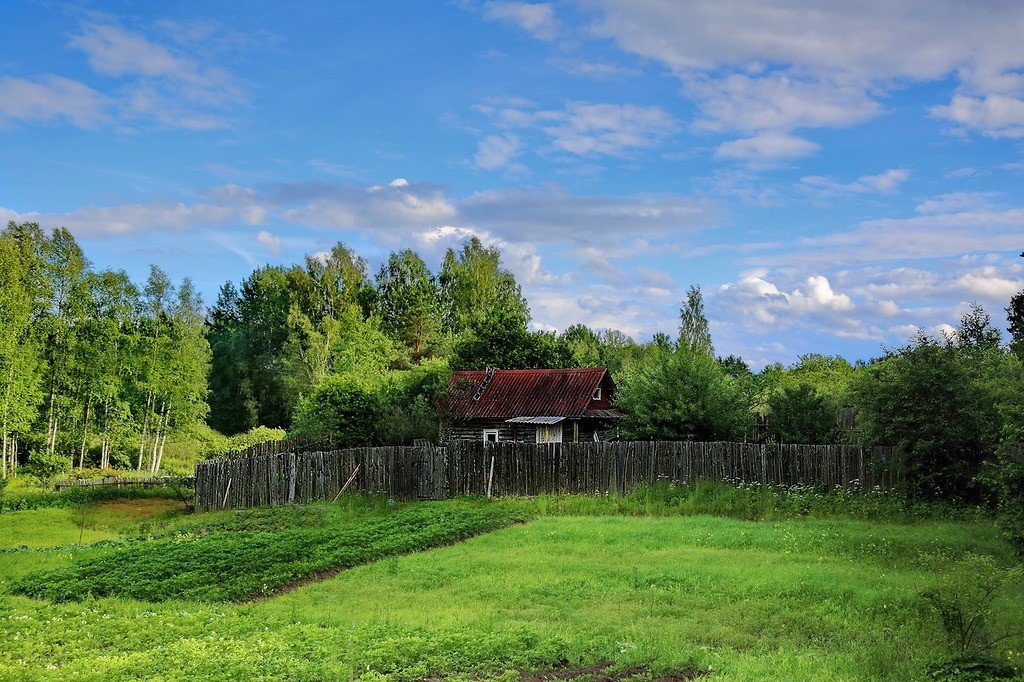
713, 580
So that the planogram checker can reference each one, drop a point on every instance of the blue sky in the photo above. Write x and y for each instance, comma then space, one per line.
834, 175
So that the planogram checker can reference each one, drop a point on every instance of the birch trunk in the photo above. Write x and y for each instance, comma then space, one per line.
145, 428
85, 435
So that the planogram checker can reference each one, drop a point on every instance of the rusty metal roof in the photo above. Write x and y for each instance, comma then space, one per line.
508, 393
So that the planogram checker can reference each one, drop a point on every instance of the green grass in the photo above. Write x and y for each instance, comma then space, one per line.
644, 581
236, 565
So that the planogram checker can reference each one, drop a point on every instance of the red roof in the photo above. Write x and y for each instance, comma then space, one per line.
511, 393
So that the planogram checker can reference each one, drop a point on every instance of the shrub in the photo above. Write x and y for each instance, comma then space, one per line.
46, 466
1007, 481
966, 604
255, 436
342, 407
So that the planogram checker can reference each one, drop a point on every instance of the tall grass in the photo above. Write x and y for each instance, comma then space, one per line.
755, 503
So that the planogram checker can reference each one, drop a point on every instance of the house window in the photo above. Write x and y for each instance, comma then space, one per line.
597, 393
490, 435
549, 433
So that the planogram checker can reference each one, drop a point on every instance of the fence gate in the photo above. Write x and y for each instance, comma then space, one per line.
423, 473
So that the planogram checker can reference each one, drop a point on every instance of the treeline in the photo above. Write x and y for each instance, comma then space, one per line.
104, 372
94, 369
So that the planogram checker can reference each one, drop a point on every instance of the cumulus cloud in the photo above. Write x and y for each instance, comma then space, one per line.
994, 115
272, 243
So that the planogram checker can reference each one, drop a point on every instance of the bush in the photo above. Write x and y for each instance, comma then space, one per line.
255, 436
1007, 481
46, 466
800, 414
966, 602
76, 496
343, 407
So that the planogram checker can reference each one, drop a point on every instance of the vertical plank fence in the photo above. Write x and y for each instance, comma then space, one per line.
517, 469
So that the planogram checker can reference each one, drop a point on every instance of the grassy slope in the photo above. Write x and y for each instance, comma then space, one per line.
51, 527
807, 599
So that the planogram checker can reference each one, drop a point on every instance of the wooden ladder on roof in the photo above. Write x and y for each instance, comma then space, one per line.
488, 375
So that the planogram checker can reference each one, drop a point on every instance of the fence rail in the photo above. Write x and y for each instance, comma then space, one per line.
524, 469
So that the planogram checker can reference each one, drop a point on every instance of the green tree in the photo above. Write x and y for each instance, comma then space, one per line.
682, 395
19, 385
1015, 316
502, 340
694, 332
473, 285
583, 344
408, 302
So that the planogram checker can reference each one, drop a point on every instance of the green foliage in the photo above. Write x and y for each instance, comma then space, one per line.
943, 405
1007, 481
409, 302
410, 398
682, 395
344, 407
235, 566
970, 668
800, 414
255, 436
473, 286
77, 496
46, 466
1015, 316
967, 601
501, 339
694, 332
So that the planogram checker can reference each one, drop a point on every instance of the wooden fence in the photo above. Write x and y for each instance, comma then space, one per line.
122, 482
525, 469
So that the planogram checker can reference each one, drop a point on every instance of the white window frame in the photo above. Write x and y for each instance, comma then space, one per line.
495, 432
597, 394
549, 433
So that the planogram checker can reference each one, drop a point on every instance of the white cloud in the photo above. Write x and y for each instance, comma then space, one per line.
779, 102
128, 218
767, 147
781, 65
598, 70
154, 83
495, 151
52, 98
537, 18
812, 303
270, 241
883, 183
955, 201
586, 128
994, 115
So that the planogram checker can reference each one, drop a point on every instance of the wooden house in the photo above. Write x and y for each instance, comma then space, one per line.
531, 406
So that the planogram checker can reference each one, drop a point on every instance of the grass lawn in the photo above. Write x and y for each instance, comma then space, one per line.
749, 600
